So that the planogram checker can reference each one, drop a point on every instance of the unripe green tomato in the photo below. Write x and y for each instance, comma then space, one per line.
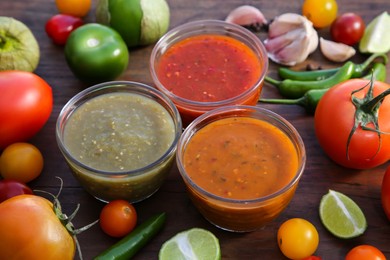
139, 22
96, 53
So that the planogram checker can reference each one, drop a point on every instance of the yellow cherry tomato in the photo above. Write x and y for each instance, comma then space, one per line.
21, 162
79, 8
320, 12
297, 238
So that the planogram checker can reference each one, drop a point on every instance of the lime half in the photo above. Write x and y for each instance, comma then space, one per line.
191, 244
376, 37
341, 215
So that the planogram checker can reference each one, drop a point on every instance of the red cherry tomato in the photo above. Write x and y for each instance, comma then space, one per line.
348, 28
386, 192
60, 26
26, 102
11, 188
365, 252
118, 218
313, 257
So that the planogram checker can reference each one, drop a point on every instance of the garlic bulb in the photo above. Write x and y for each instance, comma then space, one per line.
336, 51
291, 38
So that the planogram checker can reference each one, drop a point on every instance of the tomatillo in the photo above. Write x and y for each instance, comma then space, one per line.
96, 53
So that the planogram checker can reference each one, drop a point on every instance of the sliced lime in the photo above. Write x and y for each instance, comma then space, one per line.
376, 38
191, 244
341, 215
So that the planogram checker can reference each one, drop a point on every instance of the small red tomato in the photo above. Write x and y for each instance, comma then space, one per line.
11, 188
386, 192
348, 28
313, 257
118, 218
59, 27
365, 252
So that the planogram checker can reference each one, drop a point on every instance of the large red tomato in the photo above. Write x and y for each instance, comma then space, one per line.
26, 102
29, 229
336, 118
386, 192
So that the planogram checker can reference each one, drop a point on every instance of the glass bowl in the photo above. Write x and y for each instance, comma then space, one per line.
241, 165
207, 64
119, 139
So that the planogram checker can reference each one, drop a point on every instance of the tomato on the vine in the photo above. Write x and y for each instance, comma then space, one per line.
79, 8
348, 28
366, 252
22, 162
118, 218
297, 238
320, 12
352, 125
385, 192
26, 102
60, 26
30, 229
12, 188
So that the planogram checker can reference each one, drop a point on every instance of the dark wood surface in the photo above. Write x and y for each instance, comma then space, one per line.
320, 174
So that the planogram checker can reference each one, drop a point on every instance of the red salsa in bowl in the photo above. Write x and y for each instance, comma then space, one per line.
204, 65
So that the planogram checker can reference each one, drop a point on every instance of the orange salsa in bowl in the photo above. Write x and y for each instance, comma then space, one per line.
241, 166
204, 65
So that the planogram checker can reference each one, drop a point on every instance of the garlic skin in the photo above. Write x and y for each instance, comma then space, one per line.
291, 39
335, 51
246, 15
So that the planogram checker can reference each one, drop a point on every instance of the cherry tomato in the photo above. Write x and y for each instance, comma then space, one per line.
60, 26
297, 238
118, 218
11, 188
320, 12
365, 252
28, 222
312, 257
348, 28
334, 120
386, 192
22, 162
26, 102
79, 8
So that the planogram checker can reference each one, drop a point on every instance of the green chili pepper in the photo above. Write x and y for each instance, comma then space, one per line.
295, 88
378, 71
358, 70
128, 246
311, 98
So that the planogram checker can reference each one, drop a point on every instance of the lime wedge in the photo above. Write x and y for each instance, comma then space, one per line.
376, 38
341, 215
195, 243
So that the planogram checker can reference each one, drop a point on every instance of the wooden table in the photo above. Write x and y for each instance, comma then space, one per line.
320, 174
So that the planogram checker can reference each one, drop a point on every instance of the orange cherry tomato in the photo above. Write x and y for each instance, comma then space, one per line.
79, 8
29, 229
118, 218
320, 12
21, 162
365, 252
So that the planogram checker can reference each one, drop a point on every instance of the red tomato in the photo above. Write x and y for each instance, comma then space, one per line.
29, 229
60, 26
348, 28
12, 188
118, 218
365, 252
335, 118
26, 102
386, 192
313, 257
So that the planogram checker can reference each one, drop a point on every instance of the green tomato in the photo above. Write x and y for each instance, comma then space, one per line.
96, 53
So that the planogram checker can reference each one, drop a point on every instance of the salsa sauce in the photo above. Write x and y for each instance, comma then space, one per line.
209, 68
241, 158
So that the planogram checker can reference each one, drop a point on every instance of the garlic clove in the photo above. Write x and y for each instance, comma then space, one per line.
335, 51
285, 23
275, 44
246, 15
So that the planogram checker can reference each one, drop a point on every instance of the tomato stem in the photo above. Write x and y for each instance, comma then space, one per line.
367, 109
